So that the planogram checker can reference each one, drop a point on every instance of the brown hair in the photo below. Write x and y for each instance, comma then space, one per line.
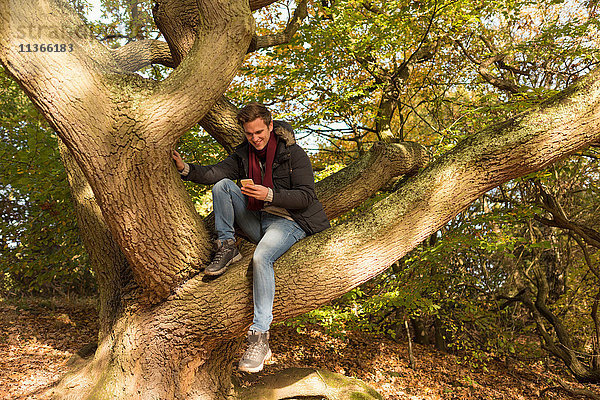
252, 111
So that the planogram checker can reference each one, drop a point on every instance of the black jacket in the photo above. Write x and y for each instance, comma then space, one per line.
293, 179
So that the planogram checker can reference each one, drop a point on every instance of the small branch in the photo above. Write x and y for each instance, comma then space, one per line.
560, 219
369, 6
586, 256
411, 357
261, 42
575, 392
502, 84
503, 65
466, 53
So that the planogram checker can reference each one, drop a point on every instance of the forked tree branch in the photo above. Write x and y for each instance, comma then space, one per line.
326, 265
561, 220
223, 35
484, 68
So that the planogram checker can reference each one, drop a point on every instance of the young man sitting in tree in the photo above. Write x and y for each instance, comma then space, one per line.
276, 211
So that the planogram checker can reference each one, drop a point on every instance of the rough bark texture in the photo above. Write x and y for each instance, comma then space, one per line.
222, 124
329, 264
120, 128
112, 272
350, 187
139, 54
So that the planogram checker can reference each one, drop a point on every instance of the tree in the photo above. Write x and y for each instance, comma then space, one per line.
165, 331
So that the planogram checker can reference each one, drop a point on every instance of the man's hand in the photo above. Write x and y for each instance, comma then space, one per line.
259, 192
178, 161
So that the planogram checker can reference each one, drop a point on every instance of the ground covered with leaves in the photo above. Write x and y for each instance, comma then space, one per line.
38, 337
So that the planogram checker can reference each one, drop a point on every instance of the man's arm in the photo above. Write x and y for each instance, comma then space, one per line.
302, 192
207, 174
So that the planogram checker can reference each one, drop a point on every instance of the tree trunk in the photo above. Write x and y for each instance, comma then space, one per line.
112, 272
152, 355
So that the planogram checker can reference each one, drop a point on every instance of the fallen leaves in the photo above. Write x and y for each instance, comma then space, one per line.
38, 337
36, 340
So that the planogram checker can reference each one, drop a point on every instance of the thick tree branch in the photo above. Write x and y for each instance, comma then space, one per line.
117, 124
324, 266
221, 123
110, 265
223, 35
258, 4
351, 186
81, 62
139, 54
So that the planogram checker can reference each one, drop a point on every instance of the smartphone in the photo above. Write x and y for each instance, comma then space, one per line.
246, 182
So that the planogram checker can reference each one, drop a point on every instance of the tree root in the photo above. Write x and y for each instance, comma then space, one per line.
297, 383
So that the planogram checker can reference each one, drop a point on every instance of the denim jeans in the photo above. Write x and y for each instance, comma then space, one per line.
274, 235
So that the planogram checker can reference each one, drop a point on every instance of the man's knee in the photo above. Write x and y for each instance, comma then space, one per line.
223, 185
261, 261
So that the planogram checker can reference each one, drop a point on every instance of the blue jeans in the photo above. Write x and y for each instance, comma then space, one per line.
274, 235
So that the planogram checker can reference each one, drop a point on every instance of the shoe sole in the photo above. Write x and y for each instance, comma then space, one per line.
219, 272
260, 367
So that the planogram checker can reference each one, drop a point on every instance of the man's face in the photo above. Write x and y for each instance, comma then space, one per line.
257, 133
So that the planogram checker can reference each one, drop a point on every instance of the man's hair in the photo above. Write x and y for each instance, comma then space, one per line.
252, 111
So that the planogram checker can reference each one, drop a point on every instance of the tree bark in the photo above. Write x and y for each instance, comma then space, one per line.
113, 274
122, 139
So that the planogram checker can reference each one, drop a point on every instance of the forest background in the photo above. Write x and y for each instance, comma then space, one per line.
520, 262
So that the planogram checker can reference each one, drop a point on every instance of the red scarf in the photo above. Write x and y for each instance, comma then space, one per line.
254, 168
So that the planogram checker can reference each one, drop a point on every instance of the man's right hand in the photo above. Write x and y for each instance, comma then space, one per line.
178, 161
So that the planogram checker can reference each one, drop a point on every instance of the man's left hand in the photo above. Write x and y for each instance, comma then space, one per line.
259, 192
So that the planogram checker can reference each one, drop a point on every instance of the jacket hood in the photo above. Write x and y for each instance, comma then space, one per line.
285, 132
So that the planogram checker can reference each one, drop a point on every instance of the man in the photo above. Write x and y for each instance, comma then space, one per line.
276, 211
